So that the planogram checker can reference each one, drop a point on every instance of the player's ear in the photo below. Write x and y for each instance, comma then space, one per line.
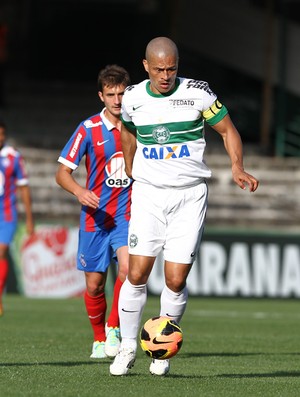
145, 63
100, 95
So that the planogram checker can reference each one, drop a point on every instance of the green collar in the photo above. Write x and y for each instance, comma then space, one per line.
177, 81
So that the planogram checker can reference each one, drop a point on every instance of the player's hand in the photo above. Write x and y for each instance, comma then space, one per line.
88, 197
128, 171
242, 179
30, 226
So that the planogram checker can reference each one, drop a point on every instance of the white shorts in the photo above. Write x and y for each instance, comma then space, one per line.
171, 220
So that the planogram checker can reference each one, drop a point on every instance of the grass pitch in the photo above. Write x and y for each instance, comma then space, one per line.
232, 347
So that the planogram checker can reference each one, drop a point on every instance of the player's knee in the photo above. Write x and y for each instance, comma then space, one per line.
175, 284
123, 271
137, 278
3, 251
94, 288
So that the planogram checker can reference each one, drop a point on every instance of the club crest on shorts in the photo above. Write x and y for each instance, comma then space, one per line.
133, 240
161, 134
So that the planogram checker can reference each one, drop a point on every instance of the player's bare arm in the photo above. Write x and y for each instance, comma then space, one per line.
26, 198
128, 140
65, 179
233, 145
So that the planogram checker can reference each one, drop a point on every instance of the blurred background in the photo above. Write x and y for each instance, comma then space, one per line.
248, 51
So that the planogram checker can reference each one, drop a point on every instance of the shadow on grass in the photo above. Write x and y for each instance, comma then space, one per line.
182, 355
59, 364
277, 374
191, 355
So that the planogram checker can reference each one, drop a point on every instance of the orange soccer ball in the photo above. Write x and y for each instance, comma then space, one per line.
161, 337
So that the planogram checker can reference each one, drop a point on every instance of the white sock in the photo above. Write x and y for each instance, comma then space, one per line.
173, 304
132, 300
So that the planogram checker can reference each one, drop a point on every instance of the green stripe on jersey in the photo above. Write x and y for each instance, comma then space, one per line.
218, 117
176, 132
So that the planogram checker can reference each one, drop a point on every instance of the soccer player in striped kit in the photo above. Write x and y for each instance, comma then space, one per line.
105, 210
163, 142
13, 177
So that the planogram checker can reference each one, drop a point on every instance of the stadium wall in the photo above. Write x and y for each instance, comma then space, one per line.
230, 263
236, 34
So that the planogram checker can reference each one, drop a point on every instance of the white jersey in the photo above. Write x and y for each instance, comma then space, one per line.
170, 131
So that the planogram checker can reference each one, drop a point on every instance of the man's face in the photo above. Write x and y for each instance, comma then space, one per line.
162, 71
112, 97
2, 137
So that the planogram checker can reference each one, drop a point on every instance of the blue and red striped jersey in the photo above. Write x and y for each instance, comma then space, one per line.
100, 142
12, 175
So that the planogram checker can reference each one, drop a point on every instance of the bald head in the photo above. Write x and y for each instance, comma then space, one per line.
161, 47
161, 64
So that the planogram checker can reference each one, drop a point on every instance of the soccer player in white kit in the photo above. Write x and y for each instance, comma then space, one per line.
163, 143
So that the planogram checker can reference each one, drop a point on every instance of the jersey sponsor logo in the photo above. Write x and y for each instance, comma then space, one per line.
90, 124
166, 152
202, 85
115, 169
181, 102
102, 143
75, 146
161, 134
129, 88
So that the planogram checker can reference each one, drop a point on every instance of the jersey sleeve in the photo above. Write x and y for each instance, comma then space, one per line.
126, 120
21, 173
128, 124
75, 148
213, 110
214, 113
